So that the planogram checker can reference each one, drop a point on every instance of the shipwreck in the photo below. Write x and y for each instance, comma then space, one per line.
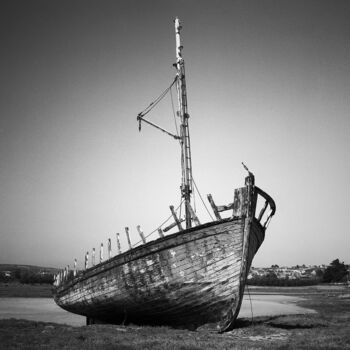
188, 278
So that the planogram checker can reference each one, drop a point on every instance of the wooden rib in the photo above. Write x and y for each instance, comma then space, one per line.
214, 207
177, 221
193, 215
141, 234
128, 237
263, 210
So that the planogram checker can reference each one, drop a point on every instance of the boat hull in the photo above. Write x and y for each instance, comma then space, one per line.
187, 279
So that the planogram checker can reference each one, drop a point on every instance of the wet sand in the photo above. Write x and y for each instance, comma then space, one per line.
272, 305
327, 328
45, 309
38, 309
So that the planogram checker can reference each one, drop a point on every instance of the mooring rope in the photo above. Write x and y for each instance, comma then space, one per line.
251, 305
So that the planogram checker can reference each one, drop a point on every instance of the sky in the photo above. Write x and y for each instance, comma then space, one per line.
268, 84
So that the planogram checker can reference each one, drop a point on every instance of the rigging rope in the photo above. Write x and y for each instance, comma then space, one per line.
147, 110
182, 155
157, 100
181, 208
251, 305
200, 196
194, 199
163, 223
174, 114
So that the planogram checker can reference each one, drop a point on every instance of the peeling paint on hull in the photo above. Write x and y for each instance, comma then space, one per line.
186, 279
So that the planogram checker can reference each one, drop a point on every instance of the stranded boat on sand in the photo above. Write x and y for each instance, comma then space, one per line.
186, 279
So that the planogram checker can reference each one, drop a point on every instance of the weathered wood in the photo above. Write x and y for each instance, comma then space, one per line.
214, 207
93, 257
128, 237
224, 207
75, 268
172, 225
177, 221
270, 201
194, 215
200, 269
118, 244
160, 232
263, 211
141, 234
109, 248
188, 278
101, 252
58, 279
86, 260
240, 202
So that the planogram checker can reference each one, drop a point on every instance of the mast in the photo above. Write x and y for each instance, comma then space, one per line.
186, 163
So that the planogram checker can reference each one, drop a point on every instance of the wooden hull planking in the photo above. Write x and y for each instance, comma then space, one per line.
186, 279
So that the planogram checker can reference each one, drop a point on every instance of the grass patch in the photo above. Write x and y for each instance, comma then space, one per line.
329, 328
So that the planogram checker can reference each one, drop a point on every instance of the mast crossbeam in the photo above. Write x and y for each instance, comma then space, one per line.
140, 118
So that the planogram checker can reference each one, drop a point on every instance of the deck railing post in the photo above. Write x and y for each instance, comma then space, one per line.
86, 260
118, 244
75, 268
194, 215
160, 232
101, 253
109, 248
214, 207
93, 259
141, 234
128, 237
177, 221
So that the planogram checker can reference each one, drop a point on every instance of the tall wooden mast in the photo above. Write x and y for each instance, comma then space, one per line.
186, 164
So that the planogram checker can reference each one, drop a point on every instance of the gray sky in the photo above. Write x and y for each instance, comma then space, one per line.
268, 84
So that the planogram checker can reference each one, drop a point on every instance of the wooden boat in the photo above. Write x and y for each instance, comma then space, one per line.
192, 277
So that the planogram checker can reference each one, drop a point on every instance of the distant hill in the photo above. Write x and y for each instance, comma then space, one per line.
32, 268
27, 273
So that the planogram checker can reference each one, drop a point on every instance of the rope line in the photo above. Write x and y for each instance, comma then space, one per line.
174, 114
200, 196
157, 100
163, 223
251, 305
